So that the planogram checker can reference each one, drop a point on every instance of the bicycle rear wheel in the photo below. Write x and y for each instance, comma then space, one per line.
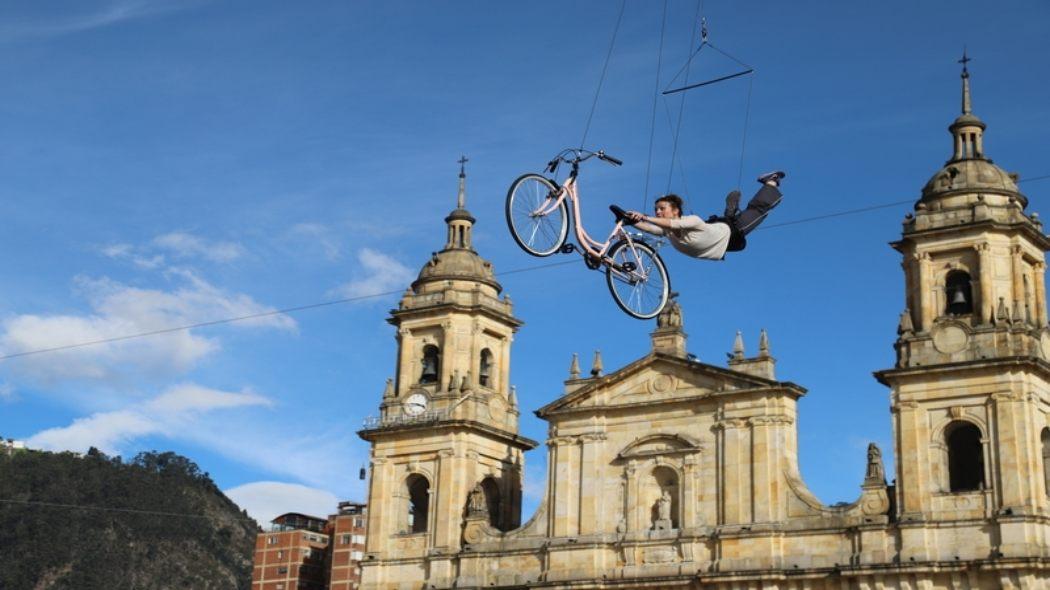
539, 235
638, 281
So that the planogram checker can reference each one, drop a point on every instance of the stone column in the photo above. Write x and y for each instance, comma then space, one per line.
984, 257
1017, 273
382, 506
765, 468
448, 353
927, 312
690, 493
1040, 294
913, 461
736, 494
444, 515
563, 508
592, 485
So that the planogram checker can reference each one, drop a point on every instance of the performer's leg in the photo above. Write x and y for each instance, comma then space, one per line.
758, 207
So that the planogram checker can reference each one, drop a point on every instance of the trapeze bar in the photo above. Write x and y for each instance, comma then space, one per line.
699, 84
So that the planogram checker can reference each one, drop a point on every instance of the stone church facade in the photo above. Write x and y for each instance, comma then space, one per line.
670, 472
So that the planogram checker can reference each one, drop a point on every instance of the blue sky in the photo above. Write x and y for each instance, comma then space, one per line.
165, 163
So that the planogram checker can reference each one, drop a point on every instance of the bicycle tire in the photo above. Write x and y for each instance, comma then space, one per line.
645, 297
537, 235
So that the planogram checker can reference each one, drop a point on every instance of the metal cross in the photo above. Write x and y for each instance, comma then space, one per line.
965, 60
462, 163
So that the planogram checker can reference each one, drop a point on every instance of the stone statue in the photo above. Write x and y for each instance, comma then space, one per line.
876, 472
476, 502
671, 316
663, 513
664, 506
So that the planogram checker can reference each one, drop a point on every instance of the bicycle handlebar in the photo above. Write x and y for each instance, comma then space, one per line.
580, 155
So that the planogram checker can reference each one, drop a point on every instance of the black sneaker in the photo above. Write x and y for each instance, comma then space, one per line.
775, 177
732, 204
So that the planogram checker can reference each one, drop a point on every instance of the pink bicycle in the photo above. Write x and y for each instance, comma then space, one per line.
538, 218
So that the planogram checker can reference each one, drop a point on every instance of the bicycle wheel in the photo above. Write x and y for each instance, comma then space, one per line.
539, 235
639, 282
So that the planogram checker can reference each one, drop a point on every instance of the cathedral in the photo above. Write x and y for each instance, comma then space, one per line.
673, 473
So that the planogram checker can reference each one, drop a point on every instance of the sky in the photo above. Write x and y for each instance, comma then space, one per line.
165, 163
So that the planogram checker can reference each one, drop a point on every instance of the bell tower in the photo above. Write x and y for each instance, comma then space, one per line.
448, 419
971, 385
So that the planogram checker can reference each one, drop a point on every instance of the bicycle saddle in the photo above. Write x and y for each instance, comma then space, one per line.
621, 215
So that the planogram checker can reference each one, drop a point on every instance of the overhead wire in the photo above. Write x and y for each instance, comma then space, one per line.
656, 99
106, 509
605, 68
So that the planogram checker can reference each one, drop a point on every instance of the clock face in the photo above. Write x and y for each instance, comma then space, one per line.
415, 404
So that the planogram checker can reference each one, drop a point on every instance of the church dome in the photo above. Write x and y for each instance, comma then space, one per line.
973, 175
457, 264
458, 261
969, 171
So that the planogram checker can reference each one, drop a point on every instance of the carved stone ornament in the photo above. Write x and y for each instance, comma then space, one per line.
949, 338
876, 472
661, 384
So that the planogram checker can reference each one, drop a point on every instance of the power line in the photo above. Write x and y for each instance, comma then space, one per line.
105, 509
242, 318
299, 308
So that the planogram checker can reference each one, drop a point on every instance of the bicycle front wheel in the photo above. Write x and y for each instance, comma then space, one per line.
637, 279
538, 231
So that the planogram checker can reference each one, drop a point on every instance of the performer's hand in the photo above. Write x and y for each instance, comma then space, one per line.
635, 216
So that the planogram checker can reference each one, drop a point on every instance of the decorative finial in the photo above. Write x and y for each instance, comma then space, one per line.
1001, 314
596, 366
461, 200
1017, 312
763, 344
466, 384
966, 83
388, 391
513, 396
905, 327
574, 368
738, 346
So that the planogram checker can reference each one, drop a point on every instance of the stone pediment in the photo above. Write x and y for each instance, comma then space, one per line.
660, 445
657, 378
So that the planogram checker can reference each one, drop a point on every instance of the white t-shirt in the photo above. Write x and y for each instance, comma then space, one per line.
694, 237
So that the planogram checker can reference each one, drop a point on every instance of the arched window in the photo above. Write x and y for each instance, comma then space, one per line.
493, 502
1045, 439
965, 457
958, 294
431, 364
418, 502
485, 370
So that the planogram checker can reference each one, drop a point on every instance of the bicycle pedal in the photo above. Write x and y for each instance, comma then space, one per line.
629, 266
592, 262
568, 248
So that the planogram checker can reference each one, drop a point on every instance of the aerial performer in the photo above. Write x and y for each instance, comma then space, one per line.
711, 239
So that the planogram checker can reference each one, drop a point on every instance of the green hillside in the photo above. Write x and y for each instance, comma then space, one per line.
165, 524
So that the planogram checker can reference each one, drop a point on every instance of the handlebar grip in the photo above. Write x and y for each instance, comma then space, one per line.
610, 159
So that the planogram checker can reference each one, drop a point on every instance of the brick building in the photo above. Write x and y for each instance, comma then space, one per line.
347, 546
302, 552
292, 554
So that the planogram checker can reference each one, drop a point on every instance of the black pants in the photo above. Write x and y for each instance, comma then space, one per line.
747, 220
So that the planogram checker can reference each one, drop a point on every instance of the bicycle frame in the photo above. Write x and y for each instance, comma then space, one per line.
590, 245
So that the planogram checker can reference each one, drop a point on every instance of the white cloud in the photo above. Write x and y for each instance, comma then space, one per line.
166, 414
379, 273
265, 500
184, 245
118, 310
7, 392
108, 431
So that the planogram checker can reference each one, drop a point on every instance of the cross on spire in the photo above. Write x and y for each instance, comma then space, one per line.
461, 199
965, 60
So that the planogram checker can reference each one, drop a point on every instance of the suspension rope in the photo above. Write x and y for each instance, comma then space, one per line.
743, 138
601, 80
656, 99
681, 105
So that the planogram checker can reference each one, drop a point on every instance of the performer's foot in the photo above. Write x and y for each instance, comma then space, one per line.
732, 204
772, 178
